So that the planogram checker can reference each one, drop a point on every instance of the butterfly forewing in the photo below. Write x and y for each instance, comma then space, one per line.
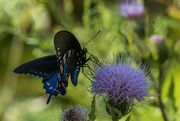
44, 67
64, 41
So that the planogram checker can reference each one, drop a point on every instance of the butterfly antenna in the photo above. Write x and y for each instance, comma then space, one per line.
92, 38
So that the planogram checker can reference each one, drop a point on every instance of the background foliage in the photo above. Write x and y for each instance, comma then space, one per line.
27, 28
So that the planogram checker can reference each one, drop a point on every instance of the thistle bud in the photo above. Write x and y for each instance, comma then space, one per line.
160, 47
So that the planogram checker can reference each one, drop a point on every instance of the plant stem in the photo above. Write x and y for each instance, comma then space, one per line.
159, 90
161, 106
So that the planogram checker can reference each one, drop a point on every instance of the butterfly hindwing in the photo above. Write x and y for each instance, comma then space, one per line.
50, 85
66, 68
44, 67
74, 75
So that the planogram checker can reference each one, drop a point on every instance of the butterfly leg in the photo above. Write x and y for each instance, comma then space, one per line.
90, 70
95, 60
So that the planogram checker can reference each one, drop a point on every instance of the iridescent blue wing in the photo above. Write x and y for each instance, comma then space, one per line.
74, 75
67, 66
50, 85
44, 67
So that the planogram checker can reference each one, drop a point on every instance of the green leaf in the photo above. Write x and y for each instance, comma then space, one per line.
171, 89
171, 93
166, 70
110, 109
93, 106
118, 112
128, 118
113, 112
163, 72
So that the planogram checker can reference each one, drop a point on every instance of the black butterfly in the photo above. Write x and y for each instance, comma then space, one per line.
55, 69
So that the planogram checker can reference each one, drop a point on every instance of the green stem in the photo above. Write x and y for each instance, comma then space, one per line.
159, 97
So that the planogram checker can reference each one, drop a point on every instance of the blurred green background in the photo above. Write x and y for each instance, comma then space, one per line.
27, 29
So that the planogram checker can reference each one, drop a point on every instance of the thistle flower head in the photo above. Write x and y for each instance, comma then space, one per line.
121, 81
132, 9
76, 113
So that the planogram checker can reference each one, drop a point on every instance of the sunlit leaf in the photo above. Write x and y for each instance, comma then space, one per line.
92, 115
171, 93
110, 109
128, 118
118, 112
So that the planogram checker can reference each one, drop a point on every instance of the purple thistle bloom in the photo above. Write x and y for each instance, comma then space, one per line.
122, 81
132, 9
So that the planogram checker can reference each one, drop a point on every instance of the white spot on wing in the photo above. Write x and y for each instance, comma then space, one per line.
61, 66
50, 87
48, 83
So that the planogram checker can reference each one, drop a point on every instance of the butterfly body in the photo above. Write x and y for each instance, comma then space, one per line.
56, 69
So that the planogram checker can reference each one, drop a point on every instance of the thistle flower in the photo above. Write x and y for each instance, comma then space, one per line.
76, 113
132, 9
122, 82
